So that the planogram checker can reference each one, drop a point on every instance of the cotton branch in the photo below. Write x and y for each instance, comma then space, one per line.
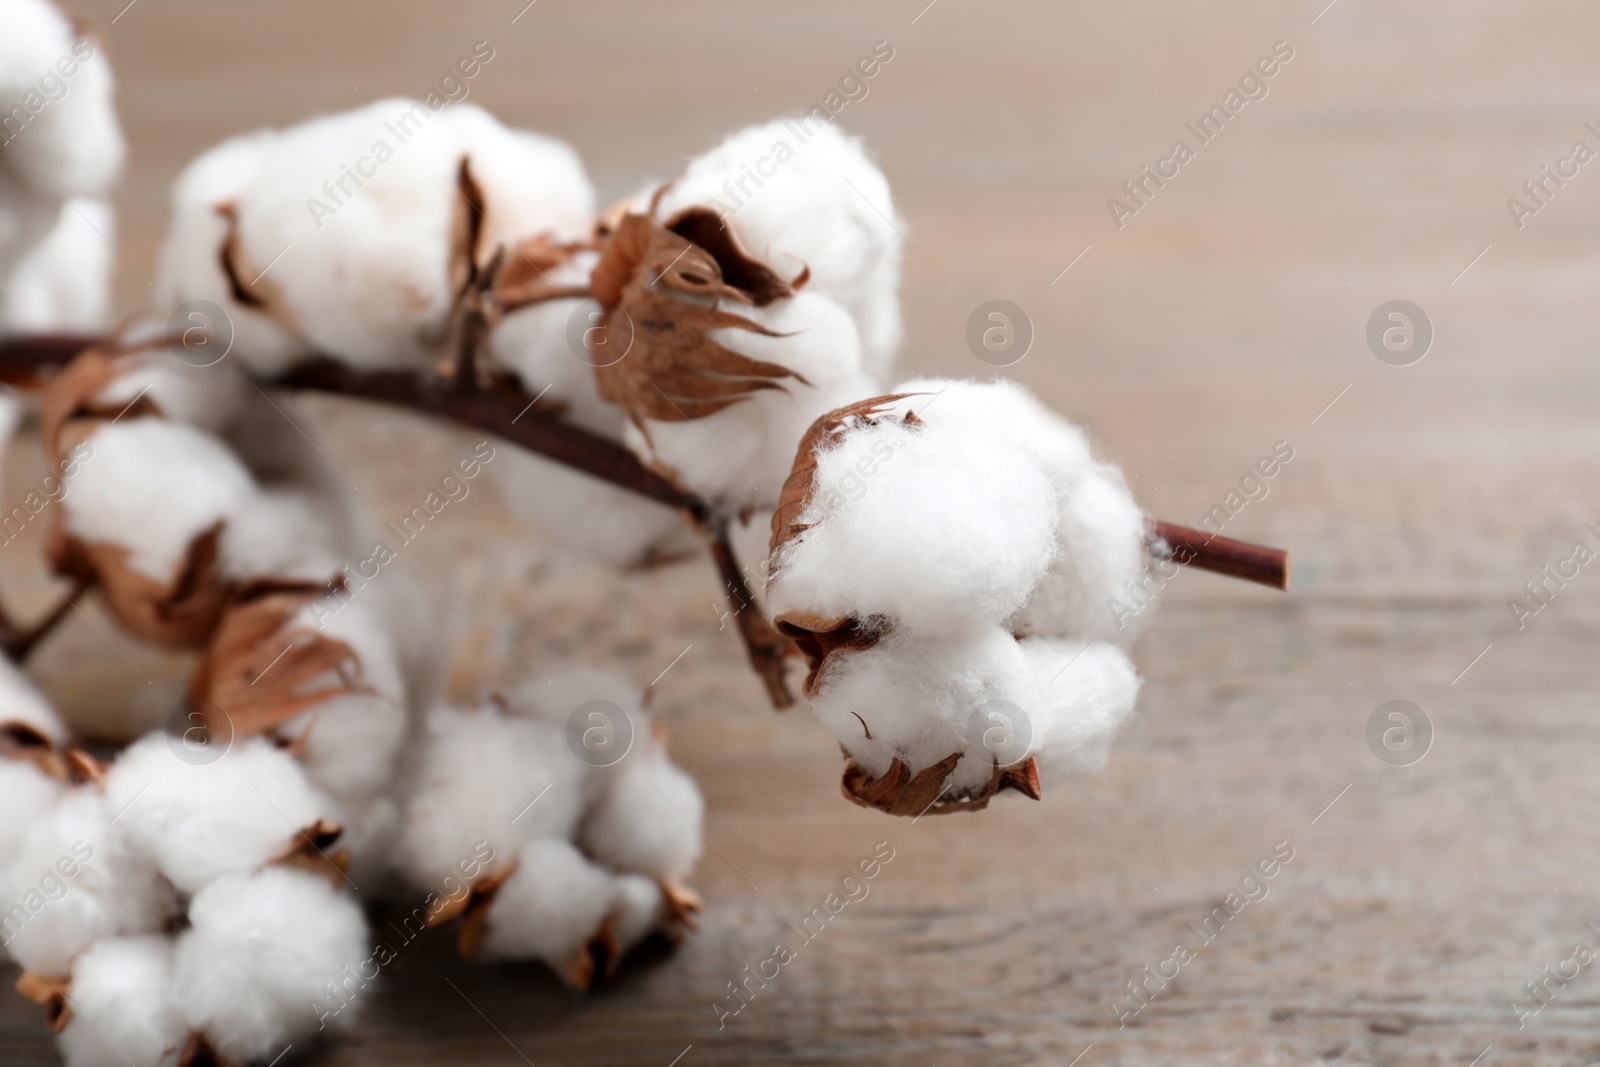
506, 411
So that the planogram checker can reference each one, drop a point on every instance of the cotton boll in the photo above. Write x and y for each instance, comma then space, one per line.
925, 525
648, 821
202, 821
362, 206
122, 1006
740, 456
550, 907
807, 215
923, 699
280, 533
485, 776
74, 880
1082, 694
154, 486
263, 951
1096, 589
73, 145
64, 282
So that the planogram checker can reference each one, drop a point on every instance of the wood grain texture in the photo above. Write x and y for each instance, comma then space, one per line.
1227, 315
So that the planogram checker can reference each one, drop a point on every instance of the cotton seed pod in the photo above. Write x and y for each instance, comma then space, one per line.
75, 879
555, 907
164, 515
122, 1008
367, 204
485, 775
921, 536
730, 350
209, 816
261, 952
648, 820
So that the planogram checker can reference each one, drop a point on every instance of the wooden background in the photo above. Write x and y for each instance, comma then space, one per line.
1225, 317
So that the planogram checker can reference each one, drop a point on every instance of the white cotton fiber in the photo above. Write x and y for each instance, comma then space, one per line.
923, 699
925, 524
638, 910
201, 821
261, 951
484, 775
551, 906
1081, 696
123, 1010
826, 207
1101, 559
648, 821
360, 205
73, 880
26, 793
154, 486
64, 282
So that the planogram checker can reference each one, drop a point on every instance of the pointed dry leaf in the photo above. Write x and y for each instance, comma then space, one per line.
899, 792
50, 995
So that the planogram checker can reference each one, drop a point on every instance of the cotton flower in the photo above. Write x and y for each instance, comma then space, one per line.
944, 557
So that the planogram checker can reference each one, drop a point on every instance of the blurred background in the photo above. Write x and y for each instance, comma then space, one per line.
1228, 313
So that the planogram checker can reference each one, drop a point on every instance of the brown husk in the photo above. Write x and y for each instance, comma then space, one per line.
899, 792
662, 287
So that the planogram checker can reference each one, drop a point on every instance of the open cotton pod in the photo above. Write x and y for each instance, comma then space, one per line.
163, 513
122, 1009
268, 960
370, 269
62, 151
727, 331
914, 561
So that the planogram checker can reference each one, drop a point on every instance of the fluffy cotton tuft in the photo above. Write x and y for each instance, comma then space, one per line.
550, 907
807, 214
122, 1006
61, 141
262, 950
648, 821
64, 282
366, 273
73, 880
202, 821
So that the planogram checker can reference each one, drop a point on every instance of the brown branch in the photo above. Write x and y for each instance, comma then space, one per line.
1237, 559
16, 643
768, 649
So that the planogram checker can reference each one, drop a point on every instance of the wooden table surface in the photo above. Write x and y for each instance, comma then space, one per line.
1226, 316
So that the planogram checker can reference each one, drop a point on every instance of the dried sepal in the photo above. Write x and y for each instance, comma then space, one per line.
682, 904
474, 911
659, 285
817, 638
596, 959
899, 792
180, 612
197, 1052
254, 675
84, 769
249, 286
49, 994
310, 852
19, 741
800, 486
